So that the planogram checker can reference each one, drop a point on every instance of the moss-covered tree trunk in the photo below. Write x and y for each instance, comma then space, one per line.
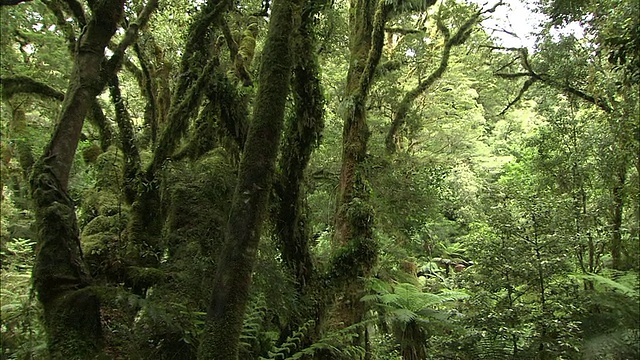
147, 217
61, 279
357, 249
233, 274
302, 134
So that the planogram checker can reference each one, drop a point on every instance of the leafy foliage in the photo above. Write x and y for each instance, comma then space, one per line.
501, 228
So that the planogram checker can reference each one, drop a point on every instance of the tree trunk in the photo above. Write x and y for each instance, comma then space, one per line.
302, 134
61, 278
616, 217
357, 249
231, 285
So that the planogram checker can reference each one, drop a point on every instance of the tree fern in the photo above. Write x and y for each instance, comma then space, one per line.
626, 288
410, 313
292, 343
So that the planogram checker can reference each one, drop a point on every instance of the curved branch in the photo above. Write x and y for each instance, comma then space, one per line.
600, 102
25, 85
459, 38
114, 63
527, 84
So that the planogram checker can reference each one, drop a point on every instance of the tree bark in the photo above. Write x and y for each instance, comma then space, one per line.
616, 217
357, 250
302, 134
132, 163
12, 2
235, 265
60, 275
61, 278
25, 85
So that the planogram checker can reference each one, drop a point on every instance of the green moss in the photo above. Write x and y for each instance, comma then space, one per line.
90, 153
355, 259
145, 277
108, 166
104, 224
73, 325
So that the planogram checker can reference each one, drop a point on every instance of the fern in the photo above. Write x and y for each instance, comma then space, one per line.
292, 343
490, 349
613, 284
338, 343
252, 328
21, 333
618, 344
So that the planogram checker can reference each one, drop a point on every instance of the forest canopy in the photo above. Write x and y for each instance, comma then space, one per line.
311, 179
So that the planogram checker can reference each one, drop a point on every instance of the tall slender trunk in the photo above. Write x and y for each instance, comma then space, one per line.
357, 250
616, 217
232, 281
61, 278
302, 134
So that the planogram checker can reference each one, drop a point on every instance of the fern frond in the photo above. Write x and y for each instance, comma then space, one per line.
610, 283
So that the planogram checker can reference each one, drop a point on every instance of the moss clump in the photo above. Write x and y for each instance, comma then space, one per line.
101, 254
360, 213
355, 259
108, 166
144, 277
90, 153
198, 203
70, 319
102, 223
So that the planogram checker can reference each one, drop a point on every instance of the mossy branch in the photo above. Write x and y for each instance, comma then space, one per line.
132, 167
375, 51
115, 62
533, 76
98, 118
25, 85
193, 79
303, 131
459, 38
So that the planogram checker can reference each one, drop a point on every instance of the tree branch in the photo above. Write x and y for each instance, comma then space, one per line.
545, 79
25, 85
375, 52
77, 11
67, 28
12, 2
527, 84
114, 63
461, 35
403, 31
